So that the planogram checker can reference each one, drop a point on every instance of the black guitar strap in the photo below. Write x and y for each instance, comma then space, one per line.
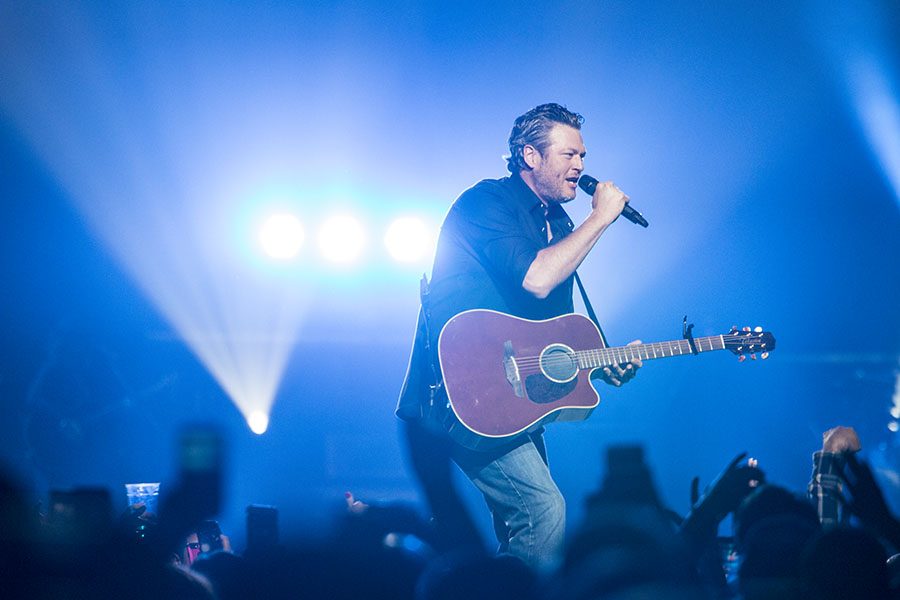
436, 380
590, 309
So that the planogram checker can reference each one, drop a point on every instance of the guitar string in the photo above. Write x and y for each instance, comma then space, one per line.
606, 359
610, 354
656, 346
538, 366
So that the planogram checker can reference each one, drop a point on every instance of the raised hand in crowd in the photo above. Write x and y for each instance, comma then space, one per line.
840, 439
825, 487
867, 501
720, 498
354, 505
375, 521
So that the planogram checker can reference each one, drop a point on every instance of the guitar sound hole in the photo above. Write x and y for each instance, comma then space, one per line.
558, 363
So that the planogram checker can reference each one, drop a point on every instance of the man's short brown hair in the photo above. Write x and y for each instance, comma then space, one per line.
533, 129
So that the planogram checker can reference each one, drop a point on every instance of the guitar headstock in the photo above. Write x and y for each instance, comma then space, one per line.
747, 342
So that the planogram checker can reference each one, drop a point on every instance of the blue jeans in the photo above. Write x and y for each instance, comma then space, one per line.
529, 511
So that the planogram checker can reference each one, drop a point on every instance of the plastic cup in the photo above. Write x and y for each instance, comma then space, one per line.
143, 493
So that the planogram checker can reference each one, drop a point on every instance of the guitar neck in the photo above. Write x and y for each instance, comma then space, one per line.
605, 357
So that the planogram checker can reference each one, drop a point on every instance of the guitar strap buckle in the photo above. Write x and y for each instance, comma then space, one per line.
687, 332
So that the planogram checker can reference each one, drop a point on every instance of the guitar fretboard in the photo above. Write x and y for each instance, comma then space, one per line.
605, 357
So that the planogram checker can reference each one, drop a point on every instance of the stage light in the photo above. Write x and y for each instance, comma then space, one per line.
408, 240
879, 114
258, 422
864, 58
895, 409
341, 239
281, 236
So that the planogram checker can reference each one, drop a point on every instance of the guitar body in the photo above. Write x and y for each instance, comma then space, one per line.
504, 375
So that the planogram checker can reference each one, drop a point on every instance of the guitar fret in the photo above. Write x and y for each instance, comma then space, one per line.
605, 357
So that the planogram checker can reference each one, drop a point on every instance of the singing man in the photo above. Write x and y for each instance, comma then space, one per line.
508, 245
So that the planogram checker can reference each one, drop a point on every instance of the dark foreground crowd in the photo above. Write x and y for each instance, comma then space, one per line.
834, 541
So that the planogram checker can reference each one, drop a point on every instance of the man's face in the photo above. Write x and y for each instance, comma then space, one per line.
556, 171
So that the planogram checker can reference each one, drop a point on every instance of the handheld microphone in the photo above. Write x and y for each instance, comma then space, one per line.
589, 184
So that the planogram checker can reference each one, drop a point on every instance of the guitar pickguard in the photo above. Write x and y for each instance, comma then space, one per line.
541, 390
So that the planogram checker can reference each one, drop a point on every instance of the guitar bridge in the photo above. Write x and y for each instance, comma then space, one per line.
512, 369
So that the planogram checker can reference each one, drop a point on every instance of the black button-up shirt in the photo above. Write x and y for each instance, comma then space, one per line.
490, 237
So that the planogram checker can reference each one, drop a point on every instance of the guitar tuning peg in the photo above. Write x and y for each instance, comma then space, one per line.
742, 358
746, 329
764, 355
757, 330
752, 356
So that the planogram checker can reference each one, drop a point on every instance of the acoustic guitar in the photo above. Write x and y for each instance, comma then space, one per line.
504, 375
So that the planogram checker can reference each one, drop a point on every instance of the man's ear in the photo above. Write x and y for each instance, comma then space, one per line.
531, 156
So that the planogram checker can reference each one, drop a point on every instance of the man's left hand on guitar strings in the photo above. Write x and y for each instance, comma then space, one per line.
624, 372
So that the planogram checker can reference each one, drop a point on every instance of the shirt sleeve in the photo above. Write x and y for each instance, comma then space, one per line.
825, 487
497, 231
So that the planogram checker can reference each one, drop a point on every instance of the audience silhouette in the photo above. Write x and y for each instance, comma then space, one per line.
832, 544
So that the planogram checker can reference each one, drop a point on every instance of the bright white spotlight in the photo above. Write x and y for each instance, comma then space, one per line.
281, 236
341, 239
879, 114
408, 239
258, 422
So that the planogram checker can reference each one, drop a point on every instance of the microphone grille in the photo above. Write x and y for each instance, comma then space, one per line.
588, 184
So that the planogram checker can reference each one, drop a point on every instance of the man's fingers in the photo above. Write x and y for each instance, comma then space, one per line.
636, 362
353, 505
736, 460
611, 377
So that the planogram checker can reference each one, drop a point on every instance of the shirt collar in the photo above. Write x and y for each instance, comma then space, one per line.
525, 194
533, 204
